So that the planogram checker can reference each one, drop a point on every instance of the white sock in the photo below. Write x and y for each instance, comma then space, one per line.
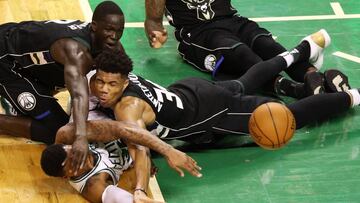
289, 58
355, 97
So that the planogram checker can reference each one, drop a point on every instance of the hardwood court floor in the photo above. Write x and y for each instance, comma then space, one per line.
319, 165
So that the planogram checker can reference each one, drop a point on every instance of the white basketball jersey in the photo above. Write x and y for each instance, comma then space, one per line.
104, 164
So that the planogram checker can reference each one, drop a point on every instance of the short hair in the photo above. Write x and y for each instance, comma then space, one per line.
114, 61
106, 8
52, 158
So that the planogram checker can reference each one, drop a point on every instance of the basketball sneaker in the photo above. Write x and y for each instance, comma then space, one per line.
318, 41
336, 81
314, 83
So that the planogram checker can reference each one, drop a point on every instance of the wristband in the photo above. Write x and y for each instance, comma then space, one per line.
142, 190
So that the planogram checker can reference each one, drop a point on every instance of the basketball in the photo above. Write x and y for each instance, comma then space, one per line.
272, 125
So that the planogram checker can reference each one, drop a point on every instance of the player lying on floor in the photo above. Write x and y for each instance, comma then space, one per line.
108, 158
196, 110
214, 38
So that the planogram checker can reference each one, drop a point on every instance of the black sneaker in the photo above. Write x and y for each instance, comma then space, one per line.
290, 88
336, 81
314, 83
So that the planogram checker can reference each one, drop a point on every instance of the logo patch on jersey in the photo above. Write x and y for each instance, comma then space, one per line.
210, 62
203, 8
27, 101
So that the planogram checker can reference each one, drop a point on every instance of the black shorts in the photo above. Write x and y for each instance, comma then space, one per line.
202, 46
211, 109
27, 95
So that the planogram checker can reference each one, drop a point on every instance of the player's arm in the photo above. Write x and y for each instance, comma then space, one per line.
77, 62
98, 190
131, 109
108, 130
154, 28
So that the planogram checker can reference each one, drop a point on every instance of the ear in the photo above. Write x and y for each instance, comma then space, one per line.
93, 26
126, 83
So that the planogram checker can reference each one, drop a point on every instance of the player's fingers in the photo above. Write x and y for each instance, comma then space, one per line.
193, 170
164, 32
180, 172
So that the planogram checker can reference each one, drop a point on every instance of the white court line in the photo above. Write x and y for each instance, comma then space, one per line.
339, 14
337, 8
347, 56
275, 19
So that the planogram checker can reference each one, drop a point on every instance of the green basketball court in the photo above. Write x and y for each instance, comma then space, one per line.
321, 162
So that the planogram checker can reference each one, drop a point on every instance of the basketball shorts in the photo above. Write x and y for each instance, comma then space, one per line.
202, 47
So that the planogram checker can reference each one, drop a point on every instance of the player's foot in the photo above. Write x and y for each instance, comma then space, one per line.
314, 83
318, 41
336, 81
290, 88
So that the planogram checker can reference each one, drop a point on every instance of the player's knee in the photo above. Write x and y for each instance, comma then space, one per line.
266, 47
241, 56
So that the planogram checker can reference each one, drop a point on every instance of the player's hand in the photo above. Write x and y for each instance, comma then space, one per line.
154, 169
79, 152
156, 33
141, 197
179, 160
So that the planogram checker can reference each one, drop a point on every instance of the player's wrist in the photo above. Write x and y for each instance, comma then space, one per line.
140, 190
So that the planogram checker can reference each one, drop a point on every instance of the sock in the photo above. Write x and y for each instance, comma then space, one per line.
355, 97
288, 58
301, 52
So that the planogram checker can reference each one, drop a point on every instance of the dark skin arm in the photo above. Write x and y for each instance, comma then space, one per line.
142, 156
77, 62
154, 28
107, 130
135, 110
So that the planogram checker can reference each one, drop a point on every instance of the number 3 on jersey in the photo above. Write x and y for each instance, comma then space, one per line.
160, 91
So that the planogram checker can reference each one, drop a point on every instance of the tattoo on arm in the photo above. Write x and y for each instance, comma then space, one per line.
105, 131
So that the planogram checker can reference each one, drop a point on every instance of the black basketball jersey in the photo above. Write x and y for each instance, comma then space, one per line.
189, 107
182, 13
28, 43
164, 103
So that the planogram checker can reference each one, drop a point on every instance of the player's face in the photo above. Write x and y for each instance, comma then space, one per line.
109, 87
108, 31
68, 173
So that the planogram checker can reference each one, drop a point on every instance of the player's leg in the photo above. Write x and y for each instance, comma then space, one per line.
42, 115
323, 106
265, 71
240, 108
219, 52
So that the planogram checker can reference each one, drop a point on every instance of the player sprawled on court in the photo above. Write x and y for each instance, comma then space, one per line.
97, 180
213, 37
196, 110
37, 58
111, 152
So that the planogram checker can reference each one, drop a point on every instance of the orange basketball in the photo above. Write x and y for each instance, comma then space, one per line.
272, 125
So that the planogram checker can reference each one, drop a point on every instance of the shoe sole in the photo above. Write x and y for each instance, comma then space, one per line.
336, 81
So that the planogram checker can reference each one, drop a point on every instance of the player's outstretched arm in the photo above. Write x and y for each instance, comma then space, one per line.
154, 28
77, 62
108, 130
